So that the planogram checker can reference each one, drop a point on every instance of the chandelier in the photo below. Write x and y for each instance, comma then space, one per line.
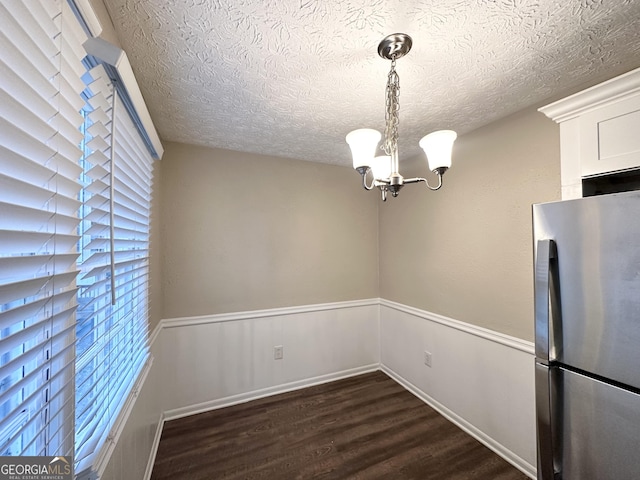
363, 142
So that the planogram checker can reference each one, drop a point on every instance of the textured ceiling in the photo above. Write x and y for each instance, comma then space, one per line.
292, 77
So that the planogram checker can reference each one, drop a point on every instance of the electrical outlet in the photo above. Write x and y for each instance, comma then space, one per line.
427, 358
278, 352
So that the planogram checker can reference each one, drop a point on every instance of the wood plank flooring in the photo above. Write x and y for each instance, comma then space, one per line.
364, 427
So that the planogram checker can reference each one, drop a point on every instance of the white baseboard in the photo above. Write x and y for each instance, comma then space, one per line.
522, 465
154, 448
265, 392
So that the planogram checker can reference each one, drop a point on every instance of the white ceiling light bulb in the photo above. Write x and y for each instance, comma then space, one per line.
381, 167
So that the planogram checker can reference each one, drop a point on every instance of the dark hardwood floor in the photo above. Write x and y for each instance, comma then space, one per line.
364, 427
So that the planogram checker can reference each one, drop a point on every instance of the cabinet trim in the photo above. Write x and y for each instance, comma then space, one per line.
594, 97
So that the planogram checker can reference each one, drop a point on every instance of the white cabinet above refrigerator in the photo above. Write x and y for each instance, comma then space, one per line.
598, 131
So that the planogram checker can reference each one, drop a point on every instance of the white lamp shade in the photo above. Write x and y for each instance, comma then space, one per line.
381, 167
363, 143
437, 146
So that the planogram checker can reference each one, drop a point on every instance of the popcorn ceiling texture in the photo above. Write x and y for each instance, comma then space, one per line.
292, 77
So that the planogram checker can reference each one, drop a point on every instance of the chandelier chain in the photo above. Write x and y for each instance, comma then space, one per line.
392, 113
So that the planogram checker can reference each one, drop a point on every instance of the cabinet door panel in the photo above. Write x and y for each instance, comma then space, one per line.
609, 138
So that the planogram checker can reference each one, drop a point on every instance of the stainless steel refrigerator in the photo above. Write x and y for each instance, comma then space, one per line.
587, 337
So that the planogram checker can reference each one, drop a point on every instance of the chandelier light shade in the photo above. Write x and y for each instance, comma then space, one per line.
364, 142
437, 147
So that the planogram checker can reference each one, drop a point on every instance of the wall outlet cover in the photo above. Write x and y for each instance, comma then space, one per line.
427, 358
278, 352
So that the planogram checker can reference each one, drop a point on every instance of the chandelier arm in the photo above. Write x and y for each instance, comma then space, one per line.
364, 181
426, 182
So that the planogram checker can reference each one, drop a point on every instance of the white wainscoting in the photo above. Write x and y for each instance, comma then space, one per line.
225, 359
479, 379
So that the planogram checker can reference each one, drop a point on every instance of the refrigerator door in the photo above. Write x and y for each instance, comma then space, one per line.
600, 425
597, 241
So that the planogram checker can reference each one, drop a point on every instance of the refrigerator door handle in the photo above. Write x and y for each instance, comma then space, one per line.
547, 300
548, 424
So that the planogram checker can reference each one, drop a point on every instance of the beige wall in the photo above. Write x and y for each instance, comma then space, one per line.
244, 232
466, 251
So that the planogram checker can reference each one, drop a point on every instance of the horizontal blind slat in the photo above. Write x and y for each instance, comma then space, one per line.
19, 242
98, 157
26, 116
34, 219
29, 333
24, 313
98, 202
28, 380
22, 266
139, 293
28, 288
17, 140
35, 397
20, 193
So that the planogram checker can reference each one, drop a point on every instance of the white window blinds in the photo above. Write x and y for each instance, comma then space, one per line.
112, 318
75, 191
40, 68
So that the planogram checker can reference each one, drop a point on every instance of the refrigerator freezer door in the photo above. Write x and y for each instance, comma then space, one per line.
600, 425
598, 263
